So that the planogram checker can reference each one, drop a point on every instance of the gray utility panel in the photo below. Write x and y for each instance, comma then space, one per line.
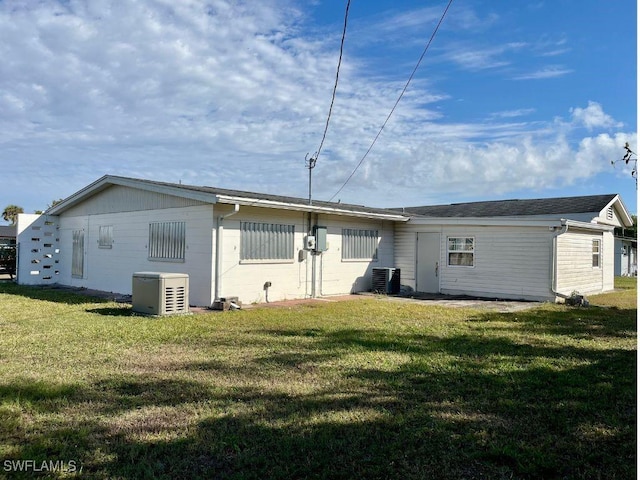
158, 293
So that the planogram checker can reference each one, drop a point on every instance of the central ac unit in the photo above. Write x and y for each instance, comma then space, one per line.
386, 280
155, 293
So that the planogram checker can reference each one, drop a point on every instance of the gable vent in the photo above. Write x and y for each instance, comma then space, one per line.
610, 213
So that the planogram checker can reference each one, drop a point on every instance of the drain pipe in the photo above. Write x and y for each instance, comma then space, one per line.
218, 266
554, 259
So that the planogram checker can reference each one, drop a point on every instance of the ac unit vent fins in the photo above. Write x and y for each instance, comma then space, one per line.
386, 281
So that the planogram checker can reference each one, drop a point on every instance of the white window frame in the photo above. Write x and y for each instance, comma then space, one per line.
461, 248
262, 242
167, 241
105, 236
360, 244
596, 253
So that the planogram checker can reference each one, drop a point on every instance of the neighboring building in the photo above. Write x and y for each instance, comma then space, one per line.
7, 235
625, 256
536, 249
267, 247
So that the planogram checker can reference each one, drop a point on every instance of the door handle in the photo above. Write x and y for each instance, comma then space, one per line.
436, 269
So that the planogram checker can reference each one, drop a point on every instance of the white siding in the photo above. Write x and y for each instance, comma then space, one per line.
608, 261
111, 269
509, 262
575, 270
126, 199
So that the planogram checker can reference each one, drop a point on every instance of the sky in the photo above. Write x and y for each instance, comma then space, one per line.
511, 100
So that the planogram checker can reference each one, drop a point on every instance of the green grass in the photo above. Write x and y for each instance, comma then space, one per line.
360, 389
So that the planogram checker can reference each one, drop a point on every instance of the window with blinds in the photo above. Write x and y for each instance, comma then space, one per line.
359, 244
266, 241
167, 241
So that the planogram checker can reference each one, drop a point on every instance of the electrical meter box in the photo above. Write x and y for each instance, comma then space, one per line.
321, 238
158, 293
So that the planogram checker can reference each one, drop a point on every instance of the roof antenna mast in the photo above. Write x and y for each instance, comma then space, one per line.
310, 163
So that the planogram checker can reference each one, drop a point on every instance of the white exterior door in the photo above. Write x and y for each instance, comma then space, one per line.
428, 262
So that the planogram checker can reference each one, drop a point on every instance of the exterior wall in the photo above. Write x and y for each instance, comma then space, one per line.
111, 269
340, 276
624, 258
509, 262
118, 198
575, 270
608, 257
38, 250
293, 279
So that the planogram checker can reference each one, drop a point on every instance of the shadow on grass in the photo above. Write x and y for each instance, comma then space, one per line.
50, 293
493, 408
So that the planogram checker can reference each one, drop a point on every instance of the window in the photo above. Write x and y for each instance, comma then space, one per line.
359, 244
460, 251
77, 254
266, 241
595, 253
105, 236
167, 241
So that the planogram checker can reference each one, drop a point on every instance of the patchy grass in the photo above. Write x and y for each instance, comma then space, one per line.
364, 389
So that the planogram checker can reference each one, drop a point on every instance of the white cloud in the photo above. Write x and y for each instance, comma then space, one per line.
550, 71
233, 94
593, 117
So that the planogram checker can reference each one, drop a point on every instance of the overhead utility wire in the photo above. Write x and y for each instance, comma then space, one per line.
435, 31
335, 85
310, 163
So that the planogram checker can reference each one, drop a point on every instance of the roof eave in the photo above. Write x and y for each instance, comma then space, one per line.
257, 202
109, 180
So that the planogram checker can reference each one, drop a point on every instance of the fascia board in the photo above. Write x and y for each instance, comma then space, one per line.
256, 202
487, 221
108, 180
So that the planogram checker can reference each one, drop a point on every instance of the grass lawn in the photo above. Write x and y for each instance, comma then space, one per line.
361, 389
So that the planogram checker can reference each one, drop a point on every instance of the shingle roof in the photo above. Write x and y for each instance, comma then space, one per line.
509, 208
7, 231
299, 203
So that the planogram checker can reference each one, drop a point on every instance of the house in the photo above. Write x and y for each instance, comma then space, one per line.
262, 247
7, 235
230, 243
539, 249
625, 256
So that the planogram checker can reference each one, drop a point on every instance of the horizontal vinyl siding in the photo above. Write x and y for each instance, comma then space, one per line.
111, 269
509, 262
608, 261
405, 254
117, 199
575, 270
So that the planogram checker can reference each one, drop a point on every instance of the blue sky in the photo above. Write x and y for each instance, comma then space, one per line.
513, 99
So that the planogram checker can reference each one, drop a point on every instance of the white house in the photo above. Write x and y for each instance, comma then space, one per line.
539, 249
262, 247
230, 243
626, 256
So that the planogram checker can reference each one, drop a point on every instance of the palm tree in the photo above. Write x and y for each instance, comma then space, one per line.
11, 212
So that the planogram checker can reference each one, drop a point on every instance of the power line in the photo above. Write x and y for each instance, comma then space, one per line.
435, 31
310, 162
335, 85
